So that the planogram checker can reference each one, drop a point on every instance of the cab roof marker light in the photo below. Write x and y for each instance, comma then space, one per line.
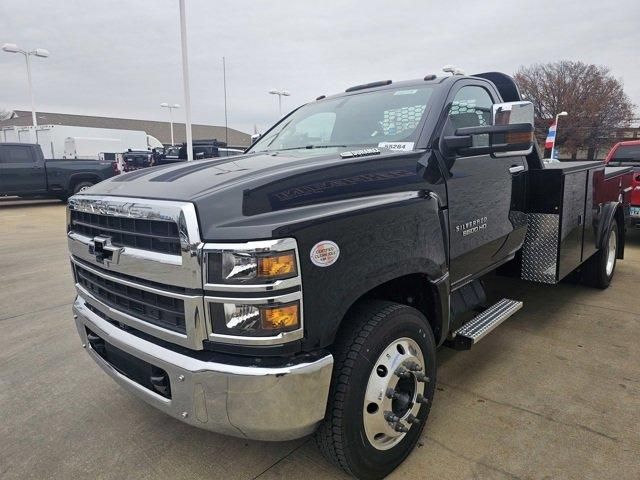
381, 83
321, 97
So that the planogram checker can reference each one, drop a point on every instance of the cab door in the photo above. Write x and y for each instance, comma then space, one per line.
21, 170
485, 193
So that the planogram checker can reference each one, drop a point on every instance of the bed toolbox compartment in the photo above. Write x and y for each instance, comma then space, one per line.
561, 209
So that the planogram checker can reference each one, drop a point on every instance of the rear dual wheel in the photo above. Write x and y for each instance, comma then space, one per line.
381, 392
601, 267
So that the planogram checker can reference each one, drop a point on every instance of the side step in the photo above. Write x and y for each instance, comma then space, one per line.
475, 329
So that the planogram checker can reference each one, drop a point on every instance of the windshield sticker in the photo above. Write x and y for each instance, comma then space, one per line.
405, 92
397, 146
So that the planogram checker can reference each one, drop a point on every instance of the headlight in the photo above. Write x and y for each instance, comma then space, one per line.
253, 292
243, 267
261, 320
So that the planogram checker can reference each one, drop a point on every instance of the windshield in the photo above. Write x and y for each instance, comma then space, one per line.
383, 118
627, 155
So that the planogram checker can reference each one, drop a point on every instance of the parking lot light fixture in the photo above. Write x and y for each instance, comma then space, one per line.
170, 107
280, 93
38, 52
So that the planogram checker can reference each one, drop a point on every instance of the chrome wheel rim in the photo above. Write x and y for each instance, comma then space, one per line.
611, 252
399, 369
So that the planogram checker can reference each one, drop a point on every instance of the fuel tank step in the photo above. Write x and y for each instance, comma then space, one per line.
476, 328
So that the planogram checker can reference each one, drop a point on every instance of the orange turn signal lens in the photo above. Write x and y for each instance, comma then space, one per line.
519, 137
285, 317
277, 266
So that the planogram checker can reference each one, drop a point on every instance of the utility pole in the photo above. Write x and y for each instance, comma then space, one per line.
224, 80
185, 80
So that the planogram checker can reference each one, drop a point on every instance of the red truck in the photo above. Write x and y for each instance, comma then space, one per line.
627, 154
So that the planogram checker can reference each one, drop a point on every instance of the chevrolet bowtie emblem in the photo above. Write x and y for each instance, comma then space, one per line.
104, 251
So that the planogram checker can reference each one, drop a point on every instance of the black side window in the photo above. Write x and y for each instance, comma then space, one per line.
16, 154
471, 107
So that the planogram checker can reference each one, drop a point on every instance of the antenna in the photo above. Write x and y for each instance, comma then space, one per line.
453, 70
224, 80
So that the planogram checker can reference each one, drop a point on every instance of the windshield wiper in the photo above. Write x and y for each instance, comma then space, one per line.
309, 147
325, 146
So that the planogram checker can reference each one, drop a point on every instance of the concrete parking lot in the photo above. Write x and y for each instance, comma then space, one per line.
554, 393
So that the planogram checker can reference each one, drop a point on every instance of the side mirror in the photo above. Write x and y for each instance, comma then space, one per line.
511, 133
255, 137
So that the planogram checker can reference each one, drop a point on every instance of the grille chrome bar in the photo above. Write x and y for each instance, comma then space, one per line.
190, 334
151, 307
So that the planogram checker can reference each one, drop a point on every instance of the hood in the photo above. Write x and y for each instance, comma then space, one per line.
240, 197
189, 181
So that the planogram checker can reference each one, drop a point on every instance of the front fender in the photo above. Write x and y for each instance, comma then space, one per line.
402, 236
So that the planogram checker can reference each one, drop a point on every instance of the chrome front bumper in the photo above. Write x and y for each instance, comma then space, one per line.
260, 403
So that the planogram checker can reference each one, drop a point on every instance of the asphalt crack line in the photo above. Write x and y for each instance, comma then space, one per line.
281, 459
456, 453
532, 412
36, 311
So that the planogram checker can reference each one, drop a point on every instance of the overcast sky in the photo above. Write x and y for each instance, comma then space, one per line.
122, 58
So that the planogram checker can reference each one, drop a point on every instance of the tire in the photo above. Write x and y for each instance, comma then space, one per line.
355, 435
78, 187
602, 266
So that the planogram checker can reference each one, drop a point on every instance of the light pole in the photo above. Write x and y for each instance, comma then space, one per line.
170, 106
280, 93
38, 52
553, 148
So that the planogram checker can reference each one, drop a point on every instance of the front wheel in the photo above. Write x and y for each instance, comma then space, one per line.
381, 391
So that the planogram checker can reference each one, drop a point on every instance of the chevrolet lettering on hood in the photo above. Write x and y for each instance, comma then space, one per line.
103, 207
360, 153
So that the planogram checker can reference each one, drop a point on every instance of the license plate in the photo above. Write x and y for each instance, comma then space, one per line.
634, 211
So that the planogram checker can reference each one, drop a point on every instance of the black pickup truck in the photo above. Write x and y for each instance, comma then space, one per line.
305, 285
24, 172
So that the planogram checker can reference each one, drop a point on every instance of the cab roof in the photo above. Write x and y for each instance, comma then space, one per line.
503, 82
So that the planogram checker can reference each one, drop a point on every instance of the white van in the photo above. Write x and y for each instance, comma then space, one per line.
89, 148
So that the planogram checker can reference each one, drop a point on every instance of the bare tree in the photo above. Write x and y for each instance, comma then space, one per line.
6, 114
595, 100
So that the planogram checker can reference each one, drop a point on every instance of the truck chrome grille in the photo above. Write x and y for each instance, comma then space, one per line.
142, 264
163, 311
153, 235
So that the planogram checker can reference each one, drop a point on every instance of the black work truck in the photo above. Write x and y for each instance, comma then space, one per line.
306, 285
24, 172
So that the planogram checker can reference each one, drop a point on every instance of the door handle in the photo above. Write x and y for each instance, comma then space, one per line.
516, 169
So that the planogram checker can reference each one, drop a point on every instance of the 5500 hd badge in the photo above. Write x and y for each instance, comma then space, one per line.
472, 226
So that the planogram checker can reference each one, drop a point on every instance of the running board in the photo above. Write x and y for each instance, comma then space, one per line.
475, 329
